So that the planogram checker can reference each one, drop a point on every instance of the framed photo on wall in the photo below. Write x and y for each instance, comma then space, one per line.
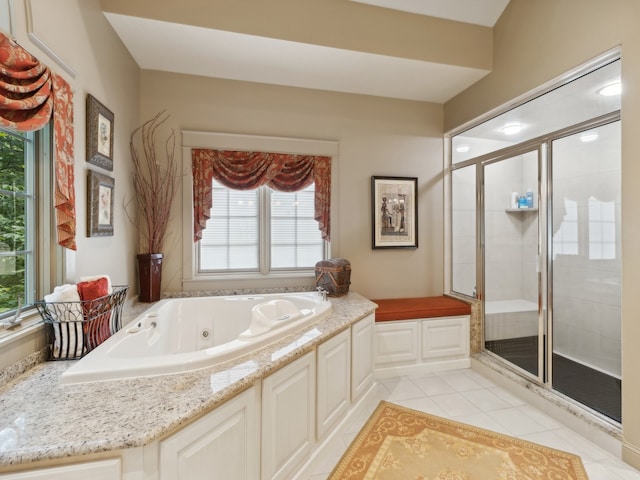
100, 197
394, 212
99, 134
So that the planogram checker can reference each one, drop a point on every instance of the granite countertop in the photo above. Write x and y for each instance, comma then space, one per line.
40, 419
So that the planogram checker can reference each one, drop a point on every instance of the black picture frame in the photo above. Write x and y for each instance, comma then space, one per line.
394, 212
100, 196
100, 122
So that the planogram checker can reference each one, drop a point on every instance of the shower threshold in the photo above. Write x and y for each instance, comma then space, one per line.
592, 388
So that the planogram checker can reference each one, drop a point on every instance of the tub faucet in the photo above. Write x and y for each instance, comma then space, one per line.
322, 293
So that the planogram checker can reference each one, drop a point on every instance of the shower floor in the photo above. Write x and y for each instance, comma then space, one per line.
596, 390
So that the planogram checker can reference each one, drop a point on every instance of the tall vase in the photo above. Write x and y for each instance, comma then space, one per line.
149, 276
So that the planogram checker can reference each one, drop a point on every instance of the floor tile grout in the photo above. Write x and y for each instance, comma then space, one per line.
507, 414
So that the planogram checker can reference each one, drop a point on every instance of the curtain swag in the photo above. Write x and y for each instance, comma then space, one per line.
29, 95
249, 170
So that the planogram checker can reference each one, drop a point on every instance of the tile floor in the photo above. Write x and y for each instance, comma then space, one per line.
467, 396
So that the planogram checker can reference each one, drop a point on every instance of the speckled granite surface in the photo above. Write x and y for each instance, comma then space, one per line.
41, 419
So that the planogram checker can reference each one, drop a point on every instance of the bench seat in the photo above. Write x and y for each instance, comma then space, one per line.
390, 309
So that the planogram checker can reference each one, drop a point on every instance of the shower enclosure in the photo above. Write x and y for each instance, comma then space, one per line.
535, 235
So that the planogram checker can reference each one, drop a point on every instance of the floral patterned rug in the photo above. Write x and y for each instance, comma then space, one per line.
398, 443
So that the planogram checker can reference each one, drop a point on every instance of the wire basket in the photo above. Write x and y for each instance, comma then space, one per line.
76, 328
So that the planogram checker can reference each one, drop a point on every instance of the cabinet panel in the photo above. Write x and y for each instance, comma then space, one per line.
334, 381
223, 444
361, 356
288, 418
100, 470
447, 337
396, 342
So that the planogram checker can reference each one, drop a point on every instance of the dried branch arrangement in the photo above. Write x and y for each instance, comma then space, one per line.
155, 181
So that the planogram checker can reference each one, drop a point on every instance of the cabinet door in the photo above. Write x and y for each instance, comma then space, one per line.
100, 470
396, 343
224, 444
361, 356
447, 337
288, 418
334, 381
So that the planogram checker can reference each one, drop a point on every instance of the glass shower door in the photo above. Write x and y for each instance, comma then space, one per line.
586, 268
511, 277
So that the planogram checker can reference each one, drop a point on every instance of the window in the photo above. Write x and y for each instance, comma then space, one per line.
602, 230
25, 220
566, 239
5, 16
260, 230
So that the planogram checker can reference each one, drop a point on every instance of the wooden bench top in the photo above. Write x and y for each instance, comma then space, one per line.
390, 309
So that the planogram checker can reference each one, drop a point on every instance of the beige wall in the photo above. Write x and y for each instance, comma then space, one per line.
376, 137
536, 42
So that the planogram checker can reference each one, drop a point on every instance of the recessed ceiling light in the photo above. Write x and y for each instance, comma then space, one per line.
463, 148
590, 136
511, 128
611, 89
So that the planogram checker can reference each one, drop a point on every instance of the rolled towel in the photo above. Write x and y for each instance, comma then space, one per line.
66, 310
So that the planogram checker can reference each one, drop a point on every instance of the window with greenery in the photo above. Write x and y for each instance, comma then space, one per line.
261, 230
24, 221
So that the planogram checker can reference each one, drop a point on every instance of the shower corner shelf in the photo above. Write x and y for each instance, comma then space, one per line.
520, 210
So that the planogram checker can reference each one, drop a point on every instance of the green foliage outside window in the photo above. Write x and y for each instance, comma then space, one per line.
12, 221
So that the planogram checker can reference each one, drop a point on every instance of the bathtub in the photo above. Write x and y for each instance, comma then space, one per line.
183, 334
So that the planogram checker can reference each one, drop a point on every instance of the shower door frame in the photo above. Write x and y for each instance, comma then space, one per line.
542, 145
567, 132
531, 146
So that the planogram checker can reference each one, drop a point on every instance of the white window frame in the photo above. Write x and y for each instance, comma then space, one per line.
264, 246
192, 280
48, 255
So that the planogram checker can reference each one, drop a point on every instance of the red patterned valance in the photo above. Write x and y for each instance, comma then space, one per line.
29, 94
248, 170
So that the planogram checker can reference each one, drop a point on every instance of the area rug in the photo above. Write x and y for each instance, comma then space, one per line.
399, 443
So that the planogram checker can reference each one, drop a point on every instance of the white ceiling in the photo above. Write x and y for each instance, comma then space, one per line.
479, 12
172, 47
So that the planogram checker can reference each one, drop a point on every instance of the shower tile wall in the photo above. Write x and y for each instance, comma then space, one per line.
511, 246
511, 238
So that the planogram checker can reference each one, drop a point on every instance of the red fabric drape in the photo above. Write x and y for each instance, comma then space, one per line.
248, 170
29, 94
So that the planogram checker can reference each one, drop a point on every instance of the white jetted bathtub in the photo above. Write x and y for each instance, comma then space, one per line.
182, 334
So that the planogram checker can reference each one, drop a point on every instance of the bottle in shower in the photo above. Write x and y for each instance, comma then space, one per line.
515, 196
529, 197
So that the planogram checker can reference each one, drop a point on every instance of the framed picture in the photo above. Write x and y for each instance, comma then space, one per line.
99, 205
99, 134
394, 212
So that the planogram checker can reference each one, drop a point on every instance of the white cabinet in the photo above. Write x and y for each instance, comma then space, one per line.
333, 381
361, 356
223, 444
110, 469
422, 345
288, 418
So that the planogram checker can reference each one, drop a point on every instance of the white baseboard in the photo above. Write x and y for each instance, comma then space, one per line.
631, 454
